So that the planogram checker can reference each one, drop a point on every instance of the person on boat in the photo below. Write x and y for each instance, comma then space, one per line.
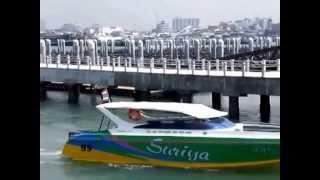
135, 114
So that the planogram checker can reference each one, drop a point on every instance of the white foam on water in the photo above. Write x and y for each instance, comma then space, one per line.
52, 153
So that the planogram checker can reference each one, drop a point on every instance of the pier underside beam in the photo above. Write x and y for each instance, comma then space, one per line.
186, 97
265, 108
141, 95
73, 92
216, 100
234, 108
43, 90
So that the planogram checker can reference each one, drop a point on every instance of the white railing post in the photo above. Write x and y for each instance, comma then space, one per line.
232, 64
151, 64
248, 65
98, 60
217, 64
203, 64
164, 65
129, 63
125, 65
46, 62
68, 61
78, 62
193, 66
178, 66
208, 67
119, 61
89, 61
101, 63
224, 68
58, 60
113, 64
278, 65
264, 68
243, 68
108, 60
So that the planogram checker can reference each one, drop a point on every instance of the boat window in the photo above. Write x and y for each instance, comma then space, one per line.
188, 124
221, 122
139, 116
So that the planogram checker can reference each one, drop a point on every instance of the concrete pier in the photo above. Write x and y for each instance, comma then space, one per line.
73, 92
216, 100
234, 108
265, 108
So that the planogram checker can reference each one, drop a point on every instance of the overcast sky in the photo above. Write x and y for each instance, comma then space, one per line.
144, 14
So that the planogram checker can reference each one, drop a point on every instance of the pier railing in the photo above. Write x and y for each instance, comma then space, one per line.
238, 68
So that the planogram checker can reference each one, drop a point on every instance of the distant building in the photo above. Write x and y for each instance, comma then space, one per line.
69, 27
180, 23
162, 27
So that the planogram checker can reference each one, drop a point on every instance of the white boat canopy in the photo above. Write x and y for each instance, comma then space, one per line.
195, 110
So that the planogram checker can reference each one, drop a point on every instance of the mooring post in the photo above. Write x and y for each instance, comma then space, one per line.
216, 100
234, 108
265, 108
73, 92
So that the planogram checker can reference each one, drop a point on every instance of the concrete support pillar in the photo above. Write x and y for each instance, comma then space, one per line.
81, 44
214, 48
133, 51
112, 47
187, 49
228, 45
171, 49
73, 93
63, 47
43, 91
197, 49
141, 95
49, 49
216, 100
43, 51
221, 48
234, 108
141, 59
234, 44
265, 108
161, 49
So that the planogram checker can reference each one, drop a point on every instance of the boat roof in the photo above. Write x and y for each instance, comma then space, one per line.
196, 110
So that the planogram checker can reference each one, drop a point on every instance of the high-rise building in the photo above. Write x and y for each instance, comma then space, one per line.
179, 23
163, 27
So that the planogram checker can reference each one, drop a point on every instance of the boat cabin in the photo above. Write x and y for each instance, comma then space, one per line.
162, 115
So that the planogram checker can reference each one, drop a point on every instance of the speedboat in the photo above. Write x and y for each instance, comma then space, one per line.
178, 135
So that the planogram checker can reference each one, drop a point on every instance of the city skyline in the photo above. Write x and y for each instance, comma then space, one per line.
58, 12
